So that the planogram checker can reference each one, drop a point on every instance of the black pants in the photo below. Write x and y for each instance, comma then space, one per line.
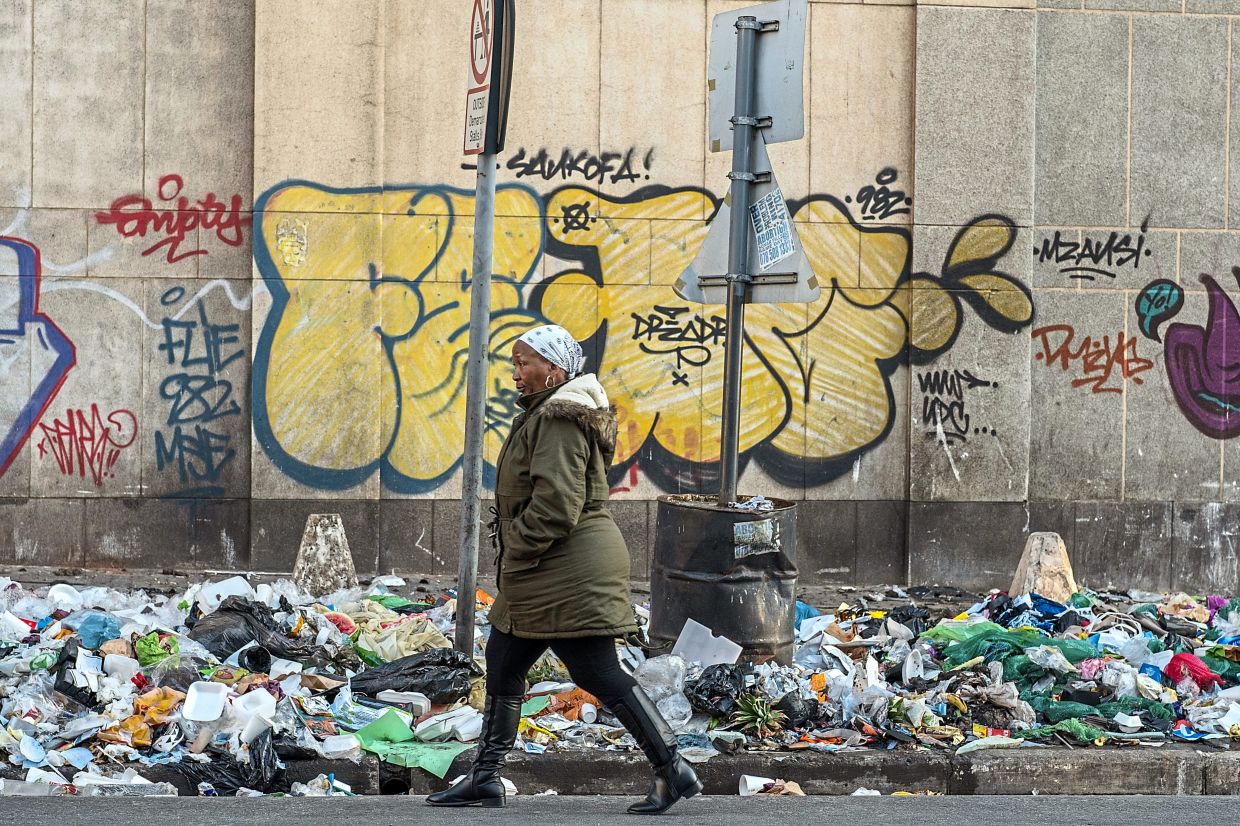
592, 662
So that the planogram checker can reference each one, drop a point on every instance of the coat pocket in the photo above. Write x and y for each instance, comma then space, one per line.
516, 566
504, 563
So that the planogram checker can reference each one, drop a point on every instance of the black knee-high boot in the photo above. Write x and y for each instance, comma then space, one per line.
673, 776
482, 785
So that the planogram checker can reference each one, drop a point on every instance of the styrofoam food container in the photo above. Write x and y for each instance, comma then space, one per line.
204, 702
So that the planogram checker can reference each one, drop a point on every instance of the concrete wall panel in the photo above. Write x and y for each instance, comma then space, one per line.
862, 104
200, 97
1179, 120
16, 101
1082, 119
975, 114
318, 91
1077, 387
88, 91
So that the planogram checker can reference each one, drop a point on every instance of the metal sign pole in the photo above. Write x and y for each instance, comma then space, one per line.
744, 125
475, 402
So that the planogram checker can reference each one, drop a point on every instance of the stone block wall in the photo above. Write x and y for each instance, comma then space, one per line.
235, 286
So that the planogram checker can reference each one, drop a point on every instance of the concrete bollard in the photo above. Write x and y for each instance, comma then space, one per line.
1044, 569
324, 563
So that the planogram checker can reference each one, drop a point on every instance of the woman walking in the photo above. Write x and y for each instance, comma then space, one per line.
562, 571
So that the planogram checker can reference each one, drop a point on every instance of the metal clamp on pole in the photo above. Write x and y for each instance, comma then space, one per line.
751, 177
761, 121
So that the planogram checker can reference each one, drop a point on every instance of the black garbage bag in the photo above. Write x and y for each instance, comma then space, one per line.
178, 671
194, 615
64, 684
717, 690
1066, 620
442, 674
798, 712
1180, 627
226, 774
287, 748
446, 657
237, 622
911, 617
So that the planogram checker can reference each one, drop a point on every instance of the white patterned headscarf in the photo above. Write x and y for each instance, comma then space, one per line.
556, 345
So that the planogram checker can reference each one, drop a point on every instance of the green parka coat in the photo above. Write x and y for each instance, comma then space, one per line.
562, 567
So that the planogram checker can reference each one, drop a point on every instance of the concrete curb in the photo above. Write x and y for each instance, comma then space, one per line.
1168, 770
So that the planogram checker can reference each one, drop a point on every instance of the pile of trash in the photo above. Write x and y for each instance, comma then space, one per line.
228, 681
1008, 672
224, 683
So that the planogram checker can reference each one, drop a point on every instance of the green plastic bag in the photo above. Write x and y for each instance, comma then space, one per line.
155, 647
370, 658
1081, 600
1223, 667
999, 644
1022, 671
949, 630
1056, 711
391, 601
1082, 733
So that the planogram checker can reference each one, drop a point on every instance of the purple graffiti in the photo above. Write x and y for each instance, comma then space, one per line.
1203, 366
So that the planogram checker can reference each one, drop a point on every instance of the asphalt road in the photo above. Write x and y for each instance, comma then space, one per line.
589, 811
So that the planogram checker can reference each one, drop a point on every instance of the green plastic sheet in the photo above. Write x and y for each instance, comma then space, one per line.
534, 705
950, 631
1058, 711
435, 758
392, 601
391, 740
388, 727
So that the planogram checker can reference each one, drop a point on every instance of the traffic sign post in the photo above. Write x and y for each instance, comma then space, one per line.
486, 115
751, 254
737, 279
478, 98
759, 259
490, 75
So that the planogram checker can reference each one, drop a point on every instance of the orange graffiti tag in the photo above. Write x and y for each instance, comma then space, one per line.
1098, 360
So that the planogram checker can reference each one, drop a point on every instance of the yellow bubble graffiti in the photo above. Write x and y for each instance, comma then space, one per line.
360, 364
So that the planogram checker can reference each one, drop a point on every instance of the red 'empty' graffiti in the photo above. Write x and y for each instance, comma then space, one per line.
84, 443
1098, 359
136, 216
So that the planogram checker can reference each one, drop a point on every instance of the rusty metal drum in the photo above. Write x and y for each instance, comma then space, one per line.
732, 570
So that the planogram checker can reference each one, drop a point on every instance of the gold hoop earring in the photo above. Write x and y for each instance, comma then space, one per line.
547, 383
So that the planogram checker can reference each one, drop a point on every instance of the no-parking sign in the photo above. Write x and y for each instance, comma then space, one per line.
489, 74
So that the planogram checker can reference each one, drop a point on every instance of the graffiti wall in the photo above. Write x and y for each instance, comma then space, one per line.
235, 271
373, 283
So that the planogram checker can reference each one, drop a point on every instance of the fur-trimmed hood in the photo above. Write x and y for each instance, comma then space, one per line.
584, 401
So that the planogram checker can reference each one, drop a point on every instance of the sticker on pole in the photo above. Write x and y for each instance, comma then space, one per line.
478, 98
775, 259
772, 227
